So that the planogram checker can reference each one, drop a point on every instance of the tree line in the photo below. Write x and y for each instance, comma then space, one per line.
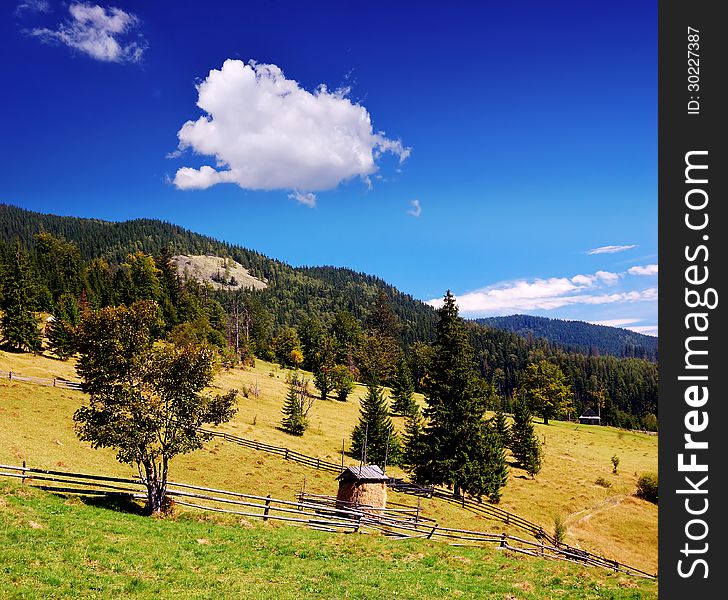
82, 262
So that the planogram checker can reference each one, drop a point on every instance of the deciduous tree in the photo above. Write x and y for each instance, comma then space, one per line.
146, 400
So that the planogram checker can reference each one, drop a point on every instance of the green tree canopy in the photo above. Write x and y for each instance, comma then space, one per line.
545, 390
19, 323
146, 400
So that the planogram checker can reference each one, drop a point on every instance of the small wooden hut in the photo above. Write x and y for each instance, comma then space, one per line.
362, 486
590, 418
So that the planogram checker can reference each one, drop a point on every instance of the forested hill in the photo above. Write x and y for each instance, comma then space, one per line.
296, 297
293, 295
579, 336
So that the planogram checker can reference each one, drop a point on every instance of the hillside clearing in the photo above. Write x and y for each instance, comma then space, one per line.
36, 425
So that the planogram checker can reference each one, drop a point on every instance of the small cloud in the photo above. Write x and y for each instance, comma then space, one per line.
615, 322
307, 199
610, 249
264, 131
96, 31
643, 270
32, 6
645, 329
416, 209
608, 277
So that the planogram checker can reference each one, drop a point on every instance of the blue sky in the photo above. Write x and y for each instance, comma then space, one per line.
506, 151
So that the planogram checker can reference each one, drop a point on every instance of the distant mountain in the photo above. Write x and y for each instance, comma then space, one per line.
579, 336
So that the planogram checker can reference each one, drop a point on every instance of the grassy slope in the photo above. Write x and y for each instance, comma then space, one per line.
35, 424
54, 547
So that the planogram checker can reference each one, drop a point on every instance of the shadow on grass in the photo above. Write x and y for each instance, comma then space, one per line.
124, 503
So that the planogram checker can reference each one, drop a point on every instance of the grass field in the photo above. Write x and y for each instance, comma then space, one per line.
36, 425
57, 547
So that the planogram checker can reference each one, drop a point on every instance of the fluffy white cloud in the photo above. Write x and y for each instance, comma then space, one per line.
643, 270
548, 294
610, 249
266, 132
416, 209
96, 31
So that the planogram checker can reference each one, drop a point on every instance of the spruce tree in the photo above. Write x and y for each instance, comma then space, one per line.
403, 389
61, 331
296, 407
19, 324
501, 427
460, 450
375, 430
414, 448
525, 446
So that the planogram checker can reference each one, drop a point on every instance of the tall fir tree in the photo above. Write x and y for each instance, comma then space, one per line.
375, 430
525, 446
460, 450
403, 389
19, 323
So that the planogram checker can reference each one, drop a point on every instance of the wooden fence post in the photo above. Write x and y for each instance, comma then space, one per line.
429, 535
417, 516
22, 479
503, 540
267, 508
10, 375
286, 453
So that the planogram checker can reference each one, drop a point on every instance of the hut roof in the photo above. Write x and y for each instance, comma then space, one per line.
365, 473
589, 414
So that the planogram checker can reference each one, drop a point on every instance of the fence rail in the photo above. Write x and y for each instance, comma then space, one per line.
315, 511
483, 508
49, 382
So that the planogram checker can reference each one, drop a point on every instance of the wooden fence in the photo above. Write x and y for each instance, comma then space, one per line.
316, 512
57, 382
483, 508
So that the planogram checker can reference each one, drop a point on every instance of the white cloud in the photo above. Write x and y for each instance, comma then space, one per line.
644, 329
416, 209
32, 6
615, 322
610, 249
266, 132
643, 270
608, 277
548, 294
307, 199
96, 31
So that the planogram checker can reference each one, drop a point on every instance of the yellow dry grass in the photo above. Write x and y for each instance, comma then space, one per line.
36, 425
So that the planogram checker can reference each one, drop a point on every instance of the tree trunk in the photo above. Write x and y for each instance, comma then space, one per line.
156, 484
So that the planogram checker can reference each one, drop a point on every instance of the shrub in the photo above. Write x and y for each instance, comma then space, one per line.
603, 482
559, 530
615, 463
647, 487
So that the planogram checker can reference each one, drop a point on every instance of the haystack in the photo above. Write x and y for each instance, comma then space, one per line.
362, 486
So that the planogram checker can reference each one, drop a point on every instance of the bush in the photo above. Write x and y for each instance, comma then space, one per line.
603, 482
647, 487
559, 530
